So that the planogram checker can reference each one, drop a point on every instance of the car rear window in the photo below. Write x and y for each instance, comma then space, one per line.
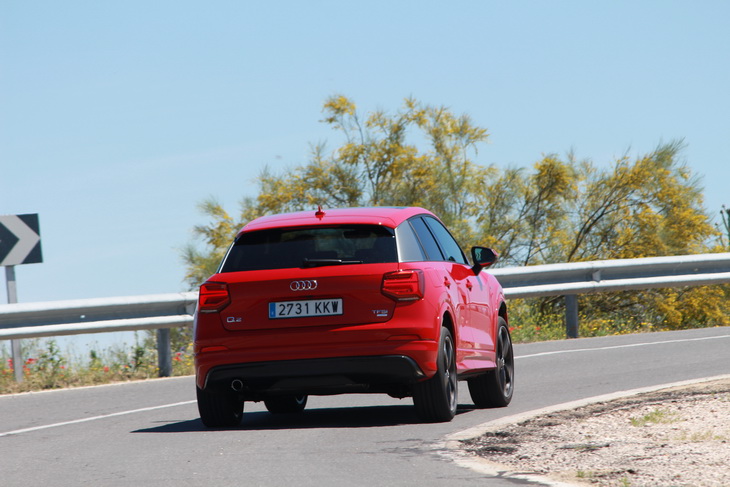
282, 248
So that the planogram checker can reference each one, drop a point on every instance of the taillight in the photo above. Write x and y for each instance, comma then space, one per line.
213, 297
403, 285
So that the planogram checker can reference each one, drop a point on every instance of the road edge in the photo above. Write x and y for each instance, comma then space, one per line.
96, 386
450, 446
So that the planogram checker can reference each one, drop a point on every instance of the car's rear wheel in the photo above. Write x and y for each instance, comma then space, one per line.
219, 409
436, 398
494, 389
286, 404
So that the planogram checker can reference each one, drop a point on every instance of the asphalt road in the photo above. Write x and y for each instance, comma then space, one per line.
148, 433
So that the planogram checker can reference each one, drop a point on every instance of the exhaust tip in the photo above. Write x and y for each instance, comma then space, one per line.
237, 385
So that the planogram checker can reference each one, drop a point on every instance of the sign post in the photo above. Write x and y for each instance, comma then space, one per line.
14, 344
20, 243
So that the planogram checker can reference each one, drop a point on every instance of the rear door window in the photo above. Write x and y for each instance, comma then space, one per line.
428, 241
449, 246
307, 247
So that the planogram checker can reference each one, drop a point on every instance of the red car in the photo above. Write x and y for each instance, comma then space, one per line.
350, 300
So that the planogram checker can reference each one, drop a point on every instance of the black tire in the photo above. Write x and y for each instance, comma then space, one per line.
286, 404
495, 388
219, 409
436, 398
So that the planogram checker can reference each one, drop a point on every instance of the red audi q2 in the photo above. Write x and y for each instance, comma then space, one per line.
360, 300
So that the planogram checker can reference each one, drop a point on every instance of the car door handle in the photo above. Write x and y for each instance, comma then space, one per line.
447, 283
469, 285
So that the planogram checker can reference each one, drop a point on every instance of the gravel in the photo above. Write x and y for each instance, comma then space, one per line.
671, 437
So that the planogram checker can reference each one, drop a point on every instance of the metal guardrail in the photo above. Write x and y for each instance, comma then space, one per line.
575, 278
98, 315
165, 311
614, 275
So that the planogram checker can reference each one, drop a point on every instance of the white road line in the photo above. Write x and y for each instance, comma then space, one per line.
94, 418
558, 352
153, 408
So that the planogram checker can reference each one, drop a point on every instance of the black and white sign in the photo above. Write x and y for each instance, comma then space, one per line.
20, 240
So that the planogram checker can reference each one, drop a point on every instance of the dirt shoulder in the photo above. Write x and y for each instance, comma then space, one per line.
679, 436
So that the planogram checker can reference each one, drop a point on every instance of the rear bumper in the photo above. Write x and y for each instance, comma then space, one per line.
316, 376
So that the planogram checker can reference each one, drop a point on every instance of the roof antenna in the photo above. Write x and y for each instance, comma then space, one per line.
319, 214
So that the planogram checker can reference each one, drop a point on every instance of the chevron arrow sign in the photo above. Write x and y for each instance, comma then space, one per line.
20, 240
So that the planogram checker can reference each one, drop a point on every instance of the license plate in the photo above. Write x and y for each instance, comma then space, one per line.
300, 309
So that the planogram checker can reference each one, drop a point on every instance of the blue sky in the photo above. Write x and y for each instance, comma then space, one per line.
117, 119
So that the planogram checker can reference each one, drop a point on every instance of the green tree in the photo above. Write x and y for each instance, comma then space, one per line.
217, 236
725, 215
560, 210
376, 166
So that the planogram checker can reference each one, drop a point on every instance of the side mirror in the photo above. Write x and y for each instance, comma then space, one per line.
483, 257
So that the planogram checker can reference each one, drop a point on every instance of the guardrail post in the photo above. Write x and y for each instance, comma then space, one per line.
17, 360
164, 354
571, 316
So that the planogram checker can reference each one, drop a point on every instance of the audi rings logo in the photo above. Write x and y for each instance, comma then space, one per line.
310, 285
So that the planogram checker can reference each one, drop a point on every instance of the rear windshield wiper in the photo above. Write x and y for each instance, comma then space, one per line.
323, 262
